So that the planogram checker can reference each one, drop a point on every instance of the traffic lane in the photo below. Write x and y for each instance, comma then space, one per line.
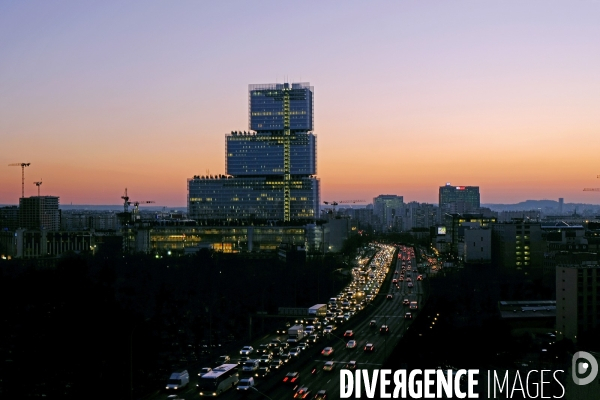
328, 380
324, 379
339, 344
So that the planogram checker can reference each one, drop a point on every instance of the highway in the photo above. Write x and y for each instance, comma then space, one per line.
383, 310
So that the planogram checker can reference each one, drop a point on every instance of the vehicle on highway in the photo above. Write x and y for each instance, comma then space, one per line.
296, 333
295, 351
384, 329
218, 380
329, 366
223, 359
348, 333
178, 380
246, 350
291, 378
373, 323
413, 305
275, 343
284, 328
420, 277
277, 351
405, 302
251, 365
351, 344
350, 365
312, 339
303, 346
389, 296
321, 395
410, 285
276, 364
369, 347
327, 351
263, 348
302, 393
263, 372
328, 329
245, 384
408, 315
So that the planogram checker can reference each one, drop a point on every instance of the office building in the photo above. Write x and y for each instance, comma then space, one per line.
389, 209
419, 215
577, 299
46, 243
270, 171
477, 243
9, 218
454, 228
518, 246
459, 199
39, 212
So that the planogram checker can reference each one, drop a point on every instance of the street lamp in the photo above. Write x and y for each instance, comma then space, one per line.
209, 333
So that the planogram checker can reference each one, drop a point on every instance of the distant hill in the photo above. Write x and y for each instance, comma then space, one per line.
544, 205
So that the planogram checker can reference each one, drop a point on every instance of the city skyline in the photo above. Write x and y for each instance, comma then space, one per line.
107, 96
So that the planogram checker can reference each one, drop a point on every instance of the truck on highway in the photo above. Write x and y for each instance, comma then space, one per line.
295, 333
318, 310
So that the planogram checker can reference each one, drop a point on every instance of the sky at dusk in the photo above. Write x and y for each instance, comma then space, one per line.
99, 96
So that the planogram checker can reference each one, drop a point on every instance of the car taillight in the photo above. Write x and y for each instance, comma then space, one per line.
285, 379
293, 379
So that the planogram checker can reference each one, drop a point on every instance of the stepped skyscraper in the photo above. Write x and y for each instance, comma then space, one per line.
270, 170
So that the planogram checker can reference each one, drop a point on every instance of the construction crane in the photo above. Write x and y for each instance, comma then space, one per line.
126, 202
136, 204
22, 165
335, 203
38, 184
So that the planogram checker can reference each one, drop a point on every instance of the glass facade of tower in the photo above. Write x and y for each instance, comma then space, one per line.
467, 195
266, 106
242, 199
257, 186
258, 155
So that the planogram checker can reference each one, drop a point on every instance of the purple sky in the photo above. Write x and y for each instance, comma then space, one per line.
409, 95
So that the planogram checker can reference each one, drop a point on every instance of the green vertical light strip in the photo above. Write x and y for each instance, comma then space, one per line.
286, 156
